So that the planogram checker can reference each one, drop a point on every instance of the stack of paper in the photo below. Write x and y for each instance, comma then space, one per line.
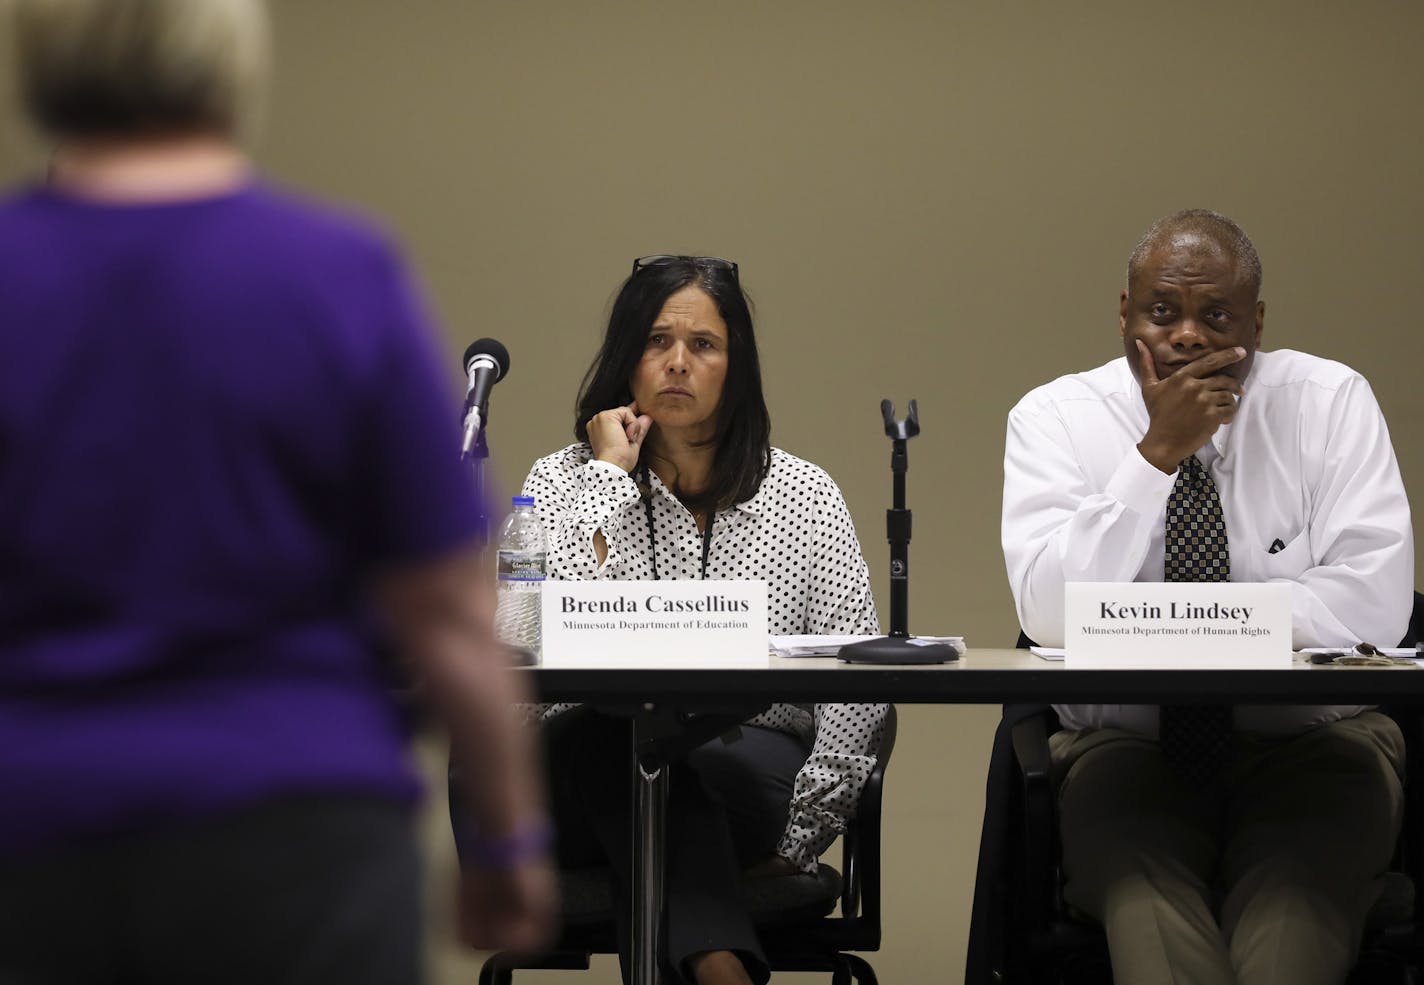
829, 646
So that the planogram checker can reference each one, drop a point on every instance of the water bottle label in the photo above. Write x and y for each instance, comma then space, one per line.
521, 567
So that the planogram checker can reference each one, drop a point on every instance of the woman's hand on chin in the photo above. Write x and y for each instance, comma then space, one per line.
617, 435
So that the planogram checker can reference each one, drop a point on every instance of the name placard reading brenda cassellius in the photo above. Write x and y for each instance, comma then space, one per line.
1188, 625
655, 624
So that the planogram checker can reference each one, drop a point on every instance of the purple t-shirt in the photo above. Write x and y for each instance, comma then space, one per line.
218, 419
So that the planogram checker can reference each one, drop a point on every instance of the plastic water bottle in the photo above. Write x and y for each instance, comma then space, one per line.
522, 566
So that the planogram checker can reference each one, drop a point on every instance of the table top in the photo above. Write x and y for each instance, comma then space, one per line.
980, 677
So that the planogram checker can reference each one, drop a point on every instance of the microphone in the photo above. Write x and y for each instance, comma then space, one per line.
486, 363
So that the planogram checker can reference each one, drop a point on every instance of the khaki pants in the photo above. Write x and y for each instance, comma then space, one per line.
1264, 878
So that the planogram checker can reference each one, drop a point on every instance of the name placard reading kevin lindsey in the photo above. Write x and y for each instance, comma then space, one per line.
655, 624
1207, 625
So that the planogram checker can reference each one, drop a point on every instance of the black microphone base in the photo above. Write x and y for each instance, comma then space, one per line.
897, 650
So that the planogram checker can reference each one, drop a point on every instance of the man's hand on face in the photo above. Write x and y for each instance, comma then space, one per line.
1186, 408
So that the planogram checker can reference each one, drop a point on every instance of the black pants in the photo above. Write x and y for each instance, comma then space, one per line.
727, 807
309, 891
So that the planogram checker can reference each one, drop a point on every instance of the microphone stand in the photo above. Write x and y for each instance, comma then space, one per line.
899, 647
476, 456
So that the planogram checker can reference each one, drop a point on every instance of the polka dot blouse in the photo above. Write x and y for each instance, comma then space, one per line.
795, 534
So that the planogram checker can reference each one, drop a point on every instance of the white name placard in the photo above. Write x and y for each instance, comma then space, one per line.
655, 624
1191, 625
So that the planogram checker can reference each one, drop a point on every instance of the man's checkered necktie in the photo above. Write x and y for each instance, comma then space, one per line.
1196, 739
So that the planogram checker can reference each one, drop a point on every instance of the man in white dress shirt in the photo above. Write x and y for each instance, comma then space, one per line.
1263, 872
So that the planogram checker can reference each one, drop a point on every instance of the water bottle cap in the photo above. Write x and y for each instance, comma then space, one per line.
523, 500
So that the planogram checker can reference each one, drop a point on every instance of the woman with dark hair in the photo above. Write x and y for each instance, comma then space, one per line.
738, 434
674, 477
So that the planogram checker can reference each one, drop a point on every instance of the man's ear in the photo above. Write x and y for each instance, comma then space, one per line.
1122, 314
1260, 321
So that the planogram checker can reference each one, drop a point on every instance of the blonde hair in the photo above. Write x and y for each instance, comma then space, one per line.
121, 68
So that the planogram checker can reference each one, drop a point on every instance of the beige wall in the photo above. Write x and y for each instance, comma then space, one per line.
930, 200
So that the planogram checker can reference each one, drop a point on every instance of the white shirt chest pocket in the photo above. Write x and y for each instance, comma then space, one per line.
1290, 561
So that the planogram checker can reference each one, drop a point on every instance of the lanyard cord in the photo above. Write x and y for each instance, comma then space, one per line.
647, 492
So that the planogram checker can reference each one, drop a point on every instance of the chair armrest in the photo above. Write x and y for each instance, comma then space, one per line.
1410, 851
860, 845
1030, 737
1040, 834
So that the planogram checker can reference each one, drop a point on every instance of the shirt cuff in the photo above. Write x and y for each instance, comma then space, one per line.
802, 851
1139, 485
599, 465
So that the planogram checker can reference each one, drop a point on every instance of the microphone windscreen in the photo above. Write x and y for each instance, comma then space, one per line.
488, 347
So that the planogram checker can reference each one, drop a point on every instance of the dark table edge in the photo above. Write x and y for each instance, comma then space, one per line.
1054, 684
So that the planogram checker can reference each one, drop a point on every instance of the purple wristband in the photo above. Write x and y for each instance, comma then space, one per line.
507, 851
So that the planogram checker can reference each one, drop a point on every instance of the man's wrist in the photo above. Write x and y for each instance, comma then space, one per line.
1154, 456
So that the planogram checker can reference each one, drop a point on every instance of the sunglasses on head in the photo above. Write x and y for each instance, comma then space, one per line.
667, 259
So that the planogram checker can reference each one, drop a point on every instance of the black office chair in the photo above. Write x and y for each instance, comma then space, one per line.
1021, 931
1416, 622
805, 923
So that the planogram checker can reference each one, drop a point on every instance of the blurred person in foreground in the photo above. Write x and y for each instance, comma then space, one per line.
674, 477
227, 468
1252, 857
